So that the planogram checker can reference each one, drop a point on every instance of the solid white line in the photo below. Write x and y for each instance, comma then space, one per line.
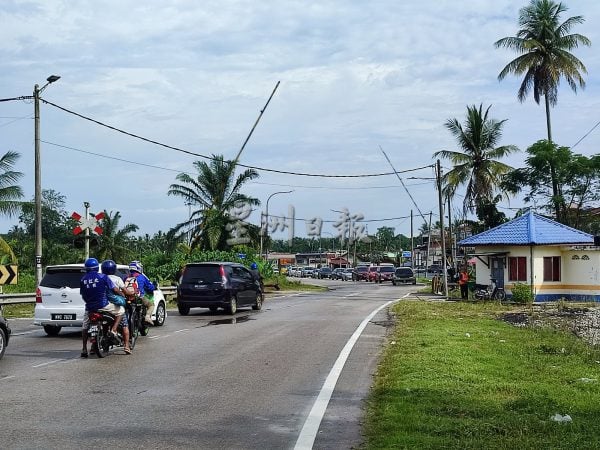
310, 429
182, 330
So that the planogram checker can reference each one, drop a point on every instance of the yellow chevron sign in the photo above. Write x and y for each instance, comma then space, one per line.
8, 274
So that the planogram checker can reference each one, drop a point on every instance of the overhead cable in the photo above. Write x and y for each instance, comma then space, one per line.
284, 172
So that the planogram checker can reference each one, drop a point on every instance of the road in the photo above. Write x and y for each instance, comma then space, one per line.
207, 380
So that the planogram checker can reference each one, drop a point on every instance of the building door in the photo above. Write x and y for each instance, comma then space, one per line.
497, 271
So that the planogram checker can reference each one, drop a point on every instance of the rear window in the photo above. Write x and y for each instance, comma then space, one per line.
62, 277
406, 271
386, 269
201, 274
361, 269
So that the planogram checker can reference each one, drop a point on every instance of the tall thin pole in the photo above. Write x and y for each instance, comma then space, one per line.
86, 205
441, 205
412, 242
38, 187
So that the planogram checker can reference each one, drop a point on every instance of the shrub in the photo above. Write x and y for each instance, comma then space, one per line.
521, 293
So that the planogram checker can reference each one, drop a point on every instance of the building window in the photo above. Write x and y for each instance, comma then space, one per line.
517, 268
552, 268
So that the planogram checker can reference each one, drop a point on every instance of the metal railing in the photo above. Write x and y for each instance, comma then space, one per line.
12, 299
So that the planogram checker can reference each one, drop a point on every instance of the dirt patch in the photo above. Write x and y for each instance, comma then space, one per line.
582, 321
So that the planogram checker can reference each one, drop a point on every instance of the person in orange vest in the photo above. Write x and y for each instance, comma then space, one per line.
463, 281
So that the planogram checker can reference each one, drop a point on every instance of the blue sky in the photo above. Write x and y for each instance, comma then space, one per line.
354, 77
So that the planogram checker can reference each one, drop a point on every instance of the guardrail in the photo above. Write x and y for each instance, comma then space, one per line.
13, 299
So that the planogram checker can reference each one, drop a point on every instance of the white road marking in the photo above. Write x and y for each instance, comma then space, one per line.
182, 330
47, 363
310, 429
353, 294
23, 332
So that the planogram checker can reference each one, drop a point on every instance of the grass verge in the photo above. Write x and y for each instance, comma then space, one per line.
454, 376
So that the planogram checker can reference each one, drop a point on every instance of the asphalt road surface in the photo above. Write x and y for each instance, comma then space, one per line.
208, 380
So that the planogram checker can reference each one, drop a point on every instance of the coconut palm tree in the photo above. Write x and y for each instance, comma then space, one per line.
544, 45
115, 243
10, 196
216, 191
477, 166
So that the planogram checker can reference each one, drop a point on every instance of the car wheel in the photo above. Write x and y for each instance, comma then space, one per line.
2, 342
258, 302
183, 310
52, 330
160, 314
414, 282
232, 309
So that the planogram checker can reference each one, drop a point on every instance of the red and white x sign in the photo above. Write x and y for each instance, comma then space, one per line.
91, 223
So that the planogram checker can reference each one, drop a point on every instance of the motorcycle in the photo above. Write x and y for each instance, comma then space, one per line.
101, 322
491, 292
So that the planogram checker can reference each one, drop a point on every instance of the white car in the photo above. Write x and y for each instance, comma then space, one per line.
58, 303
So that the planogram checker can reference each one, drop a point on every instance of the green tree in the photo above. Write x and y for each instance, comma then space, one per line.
115, 243
477, 166
10, 193
544, 44
565, 182
215, 191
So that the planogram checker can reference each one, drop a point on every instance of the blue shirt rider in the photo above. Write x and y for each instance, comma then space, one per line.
145, 287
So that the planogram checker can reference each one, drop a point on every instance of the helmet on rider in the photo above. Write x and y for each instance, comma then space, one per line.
91, 265
254, 266
135, 266
109, 267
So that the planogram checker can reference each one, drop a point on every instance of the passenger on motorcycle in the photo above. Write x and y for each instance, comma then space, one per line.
145, 288
109, 267
93, 287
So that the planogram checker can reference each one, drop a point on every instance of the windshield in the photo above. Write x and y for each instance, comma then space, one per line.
386, 269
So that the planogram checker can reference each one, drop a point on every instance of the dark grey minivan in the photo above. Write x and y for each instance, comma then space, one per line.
215, 285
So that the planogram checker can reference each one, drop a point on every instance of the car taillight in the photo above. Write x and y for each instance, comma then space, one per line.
38, 295
222, 273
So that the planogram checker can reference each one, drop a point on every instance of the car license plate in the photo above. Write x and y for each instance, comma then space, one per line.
63, 316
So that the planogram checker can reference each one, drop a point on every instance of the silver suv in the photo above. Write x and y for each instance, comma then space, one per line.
58, 302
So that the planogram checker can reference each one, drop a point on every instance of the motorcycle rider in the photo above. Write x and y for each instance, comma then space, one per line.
145, 288
109, 267
93, 288
256, 274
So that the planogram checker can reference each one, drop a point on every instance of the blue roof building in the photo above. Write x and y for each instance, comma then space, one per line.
556, 261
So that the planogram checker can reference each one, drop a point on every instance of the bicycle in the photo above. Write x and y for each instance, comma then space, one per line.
490, 292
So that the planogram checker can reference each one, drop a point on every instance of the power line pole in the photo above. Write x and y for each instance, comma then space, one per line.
441, 205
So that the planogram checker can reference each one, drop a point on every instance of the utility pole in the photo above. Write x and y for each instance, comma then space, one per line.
441, 205
412, 242
38, 177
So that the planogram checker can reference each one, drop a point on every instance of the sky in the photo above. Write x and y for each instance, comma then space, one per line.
355, 78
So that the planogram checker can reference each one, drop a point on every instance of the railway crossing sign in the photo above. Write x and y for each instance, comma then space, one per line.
89, 223
8, 274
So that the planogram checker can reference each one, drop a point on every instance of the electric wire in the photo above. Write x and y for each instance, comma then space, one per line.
115, 158
263, 169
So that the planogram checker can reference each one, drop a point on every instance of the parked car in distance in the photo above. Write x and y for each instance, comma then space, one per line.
347, 274
403, 275
308, 272
324, 272
58, 303
215, 285
434, 268
336, 274
372, 273
385, 273
4, 333
360, 273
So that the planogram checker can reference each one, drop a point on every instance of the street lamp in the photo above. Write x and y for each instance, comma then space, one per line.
266, 228
38, 178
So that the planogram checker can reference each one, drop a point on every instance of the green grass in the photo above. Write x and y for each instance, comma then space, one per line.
455, 377
18, 310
